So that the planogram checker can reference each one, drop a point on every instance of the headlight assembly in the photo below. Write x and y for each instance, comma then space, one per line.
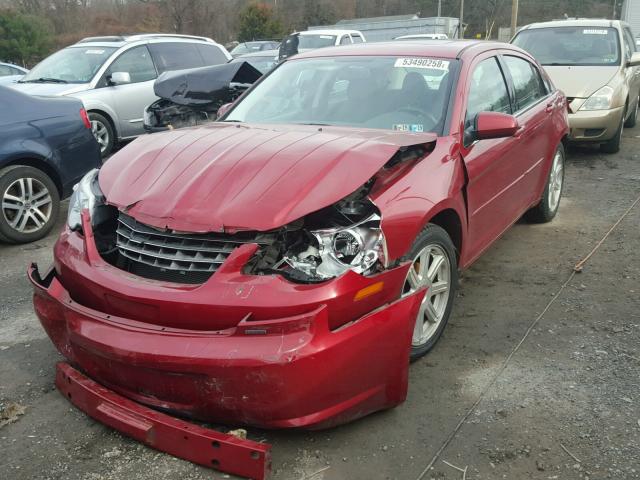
600, 100
326, 244
86, 194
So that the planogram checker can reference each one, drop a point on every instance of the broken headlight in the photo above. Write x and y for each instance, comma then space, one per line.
333, 251
86, 194
325, 244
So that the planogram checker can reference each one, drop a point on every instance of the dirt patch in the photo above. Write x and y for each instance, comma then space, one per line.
10, 412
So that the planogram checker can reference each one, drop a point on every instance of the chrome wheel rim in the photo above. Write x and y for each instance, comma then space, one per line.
101, 134
431, 268
27, 205
556, 178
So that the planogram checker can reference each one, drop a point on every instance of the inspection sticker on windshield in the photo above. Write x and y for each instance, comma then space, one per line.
422, 63
93, 52
594, 31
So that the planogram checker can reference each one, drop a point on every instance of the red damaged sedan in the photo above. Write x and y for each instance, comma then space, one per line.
279, 267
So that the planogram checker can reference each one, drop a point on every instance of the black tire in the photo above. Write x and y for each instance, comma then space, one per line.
545, 211
633, 118
613, 145
101, 127
31, 231
433, 235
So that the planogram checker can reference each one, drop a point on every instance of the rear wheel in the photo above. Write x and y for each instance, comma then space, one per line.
30, 204
433, 265
102, 132
548, 207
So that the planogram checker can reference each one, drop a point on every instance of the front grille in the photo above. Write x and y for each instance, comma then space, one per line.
176, 257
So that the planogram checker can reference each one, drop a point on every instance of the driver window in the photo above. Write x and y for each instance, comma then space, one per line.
137, 63
487, 93
629, 44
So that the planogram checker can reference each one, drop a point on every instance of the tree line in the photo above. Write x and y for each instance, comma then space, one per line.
30, 29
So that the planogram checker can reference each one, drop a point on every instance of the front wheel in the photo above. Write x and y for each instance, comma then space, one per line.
434, 266
544, 211
613, 145
633, 118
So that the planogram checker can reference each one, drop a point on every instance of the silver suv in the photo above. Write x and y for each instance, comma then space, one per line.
114, 76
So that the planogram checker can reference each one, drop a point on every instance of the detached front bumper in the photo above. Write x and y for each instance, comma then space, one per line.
596, 125
293, 371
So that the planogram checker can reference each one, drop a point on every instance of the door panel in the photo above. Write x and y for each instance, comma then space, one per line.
129, 100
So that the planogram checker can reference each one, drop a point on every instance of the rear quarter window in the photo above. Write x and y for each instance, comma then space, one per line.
176, 56
211, 54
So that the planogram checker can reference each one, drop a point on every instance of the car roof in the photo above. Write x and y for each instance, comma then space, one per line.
578, 22
329, 32
118, 41
416, 48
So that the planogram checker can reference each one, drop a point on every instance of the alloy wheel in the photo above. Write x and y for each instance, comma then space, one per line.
556, 178
431, 268
101, 134
27, 205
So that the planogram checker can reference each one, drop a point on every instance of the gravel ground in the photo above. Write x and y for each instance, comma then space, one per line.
562, 404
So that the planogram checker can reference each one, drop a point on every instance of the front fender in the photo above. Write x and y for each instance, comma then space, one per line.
433, 185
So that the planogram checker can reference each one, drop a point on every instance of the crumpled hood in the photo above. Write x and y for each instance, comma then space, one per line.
580, 82
49, 89
244, 177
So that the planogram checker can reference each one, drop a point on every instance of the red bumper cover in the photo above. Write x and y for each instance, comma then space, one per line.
301, 374
185, 440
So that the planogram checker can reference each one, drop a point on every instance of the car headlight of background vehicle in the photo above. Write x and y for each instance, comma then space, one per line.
86, 194
600, 100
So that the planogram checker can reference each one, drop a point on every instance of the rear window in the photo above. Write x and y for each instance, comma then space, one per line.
316, 41
579, 46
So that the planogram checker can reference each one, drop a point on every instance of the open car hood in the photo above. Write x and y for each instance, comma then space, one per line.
228, 177
200, 86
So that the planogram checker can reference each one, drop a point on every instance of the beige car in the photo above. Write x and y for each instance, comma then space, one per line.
594, 62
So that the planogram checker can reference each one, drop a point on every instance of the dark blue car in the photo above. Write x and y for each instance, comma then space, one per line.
46, 146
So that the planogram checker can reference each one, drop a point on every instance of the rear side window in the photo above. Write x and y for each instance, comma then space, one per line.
527, 82
345, 40
175, 56
488, 91
211, 54
356, 38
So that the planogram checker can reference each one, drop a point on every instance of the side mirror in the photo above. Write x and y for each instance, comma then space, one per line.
495, 125
634, 60
120, 78
224, 109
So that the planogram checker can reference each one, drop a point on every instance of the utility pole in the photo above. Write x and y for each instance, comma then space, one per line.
461, 21
514, 17
440, 8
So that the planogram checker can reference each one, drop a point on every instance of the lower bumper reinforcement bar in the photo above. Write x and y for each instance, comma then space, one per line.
163, 432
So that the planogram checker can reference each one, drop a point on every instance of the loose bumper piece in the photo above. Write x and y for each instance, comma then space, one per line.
203, 446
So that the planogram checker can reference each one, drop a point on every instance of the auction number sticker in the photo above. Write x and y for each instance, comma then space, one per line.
422, 63
93, 52
594, 31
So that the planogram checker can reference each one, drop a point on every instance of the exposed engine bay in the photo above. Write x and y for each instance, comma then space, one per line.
192, 97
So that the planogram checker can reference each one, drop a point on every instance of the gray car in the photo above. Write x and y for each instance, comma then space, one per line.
113, 76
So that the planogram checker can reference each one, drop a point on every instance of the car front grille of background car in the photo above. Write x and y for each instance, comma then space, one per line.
174, 257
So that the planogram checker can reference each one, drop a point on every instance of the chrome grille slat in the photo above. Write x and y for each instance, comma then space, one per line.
156, 253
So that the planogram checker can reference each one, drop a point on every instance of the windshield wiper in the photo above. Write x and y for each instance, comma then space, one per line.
44, 80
